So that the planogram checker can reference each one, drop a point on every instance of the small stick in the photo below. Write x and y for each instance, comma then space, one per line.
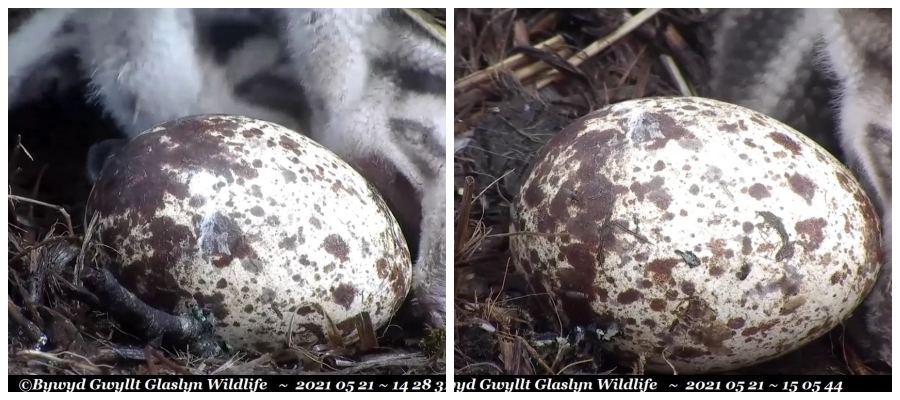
31, 330
428, 22
88, 234
672, 67
520, 33
247, 367
404, 361
512, 62
115, 353
466, 207
476, 95
854, 363
16, 150
602, 44
683, 55
852, 360
631, 65
43, 243
481, 364
674, 371
534, 354
37, 187
525, 233
48, 205
529, 71
473, 238
483, 191
34, 354
572, 365
545, 23
526, 73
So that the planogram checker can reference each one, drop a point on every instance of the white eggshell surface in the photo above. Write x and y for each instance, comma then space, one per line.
714, 237
254, 222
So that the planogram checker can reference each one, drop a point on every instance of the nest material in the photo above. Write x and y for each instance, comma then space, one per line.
520, 77
57, 291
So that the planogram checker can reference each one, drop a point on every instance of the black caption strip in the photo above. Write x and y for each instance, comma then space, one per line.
271, 383
674, 383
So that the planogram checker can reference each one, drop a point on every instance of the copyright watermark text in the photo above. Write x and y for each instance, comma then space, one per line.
103, 385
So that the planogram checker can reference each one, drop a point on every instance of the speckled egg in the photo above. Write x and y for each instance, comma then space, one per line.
254, 222
710, 236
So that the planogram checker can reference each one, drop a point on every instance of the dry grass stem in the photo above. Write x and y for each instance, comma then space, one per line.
602, 44
510, 63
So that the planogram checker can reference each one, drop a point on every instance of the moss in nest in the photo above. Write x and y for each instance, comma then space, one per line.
435, 342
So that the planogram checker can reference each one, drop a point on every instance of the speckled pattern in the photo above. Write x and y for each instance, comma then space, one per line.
714, 236
253, 222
